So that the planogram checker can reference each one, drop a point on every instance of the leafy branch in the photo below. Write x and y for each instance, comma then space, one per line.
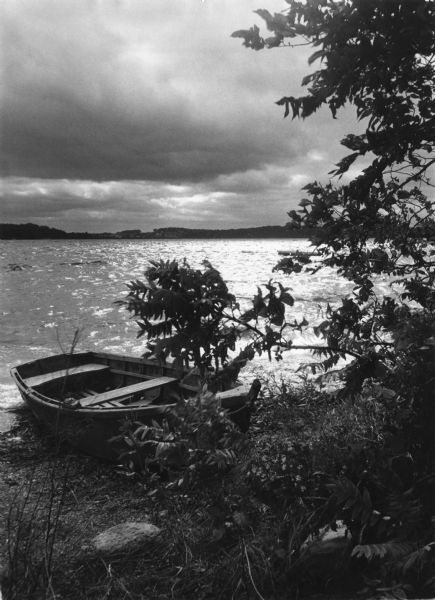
190, 316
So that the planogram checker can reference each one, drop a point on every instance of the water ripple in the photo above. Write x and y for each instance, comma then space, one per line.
73, 284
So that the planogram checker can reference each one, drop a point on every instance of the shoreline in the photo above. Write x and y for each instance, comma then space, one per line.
8, 418
29, 231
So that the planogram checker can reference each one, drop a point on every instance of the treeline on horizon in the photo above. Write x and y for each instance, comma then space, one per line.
30, 231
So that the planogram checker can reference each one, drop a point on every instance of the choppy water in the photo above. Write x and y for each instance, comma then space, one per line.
50, 288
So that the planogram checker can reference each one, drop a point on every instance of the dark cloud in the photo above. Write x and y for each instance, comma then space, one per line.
88, 99
108, 102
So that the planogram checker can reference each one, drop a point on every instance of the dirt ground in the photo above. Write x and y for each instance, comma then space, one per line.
39, 480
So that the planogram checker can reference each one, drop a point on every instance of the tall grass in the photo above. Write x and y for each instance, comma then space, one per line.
32, 528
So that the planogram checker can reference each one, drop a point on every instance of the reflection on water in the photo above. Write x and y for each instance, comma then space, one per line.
50, 288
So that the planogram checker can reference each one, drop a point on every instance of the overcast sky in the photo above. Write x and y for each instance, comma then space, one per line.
138, 114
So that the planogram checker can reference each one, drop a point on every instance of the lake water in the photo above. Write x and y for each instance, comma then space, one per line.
50, 288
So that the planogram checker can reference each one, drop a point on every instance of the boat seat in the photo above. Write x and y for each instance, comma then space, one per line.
236, 392
122, 393
119, 404
53, 375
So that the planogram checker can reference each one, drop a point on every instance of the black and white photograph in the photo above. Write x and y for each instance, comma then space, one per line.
217, 300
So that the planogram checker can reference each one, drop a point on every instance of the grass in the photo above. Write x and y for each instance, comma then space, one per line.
240, 535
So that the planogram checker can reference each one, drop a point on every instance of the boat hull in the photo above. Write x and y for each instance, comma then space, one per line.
91, 429
92, 432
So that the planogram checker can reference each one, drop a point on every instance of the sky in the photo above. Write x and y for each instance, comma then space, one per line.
141, 114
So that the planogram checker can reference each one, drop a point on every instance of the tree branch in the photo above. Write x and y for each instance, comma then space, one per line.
289, 345
418, 173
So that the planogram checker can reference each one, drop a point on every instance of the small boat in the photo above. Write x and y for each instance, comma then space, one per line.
299, 253
85, 397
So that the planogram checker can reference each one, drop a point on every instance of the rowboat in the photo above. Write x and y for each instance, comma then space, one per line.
299, 253
85, 397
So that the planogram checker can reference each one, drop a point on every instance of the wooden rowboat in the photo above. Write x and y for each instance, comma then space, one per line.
85, 397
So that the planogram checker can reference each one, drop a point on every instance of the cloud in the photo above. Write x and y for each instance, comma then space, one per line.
120, 91
108, 102
242, 199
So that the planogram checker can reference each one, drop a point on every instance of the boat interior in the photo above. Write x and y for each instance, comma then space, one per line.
103, 381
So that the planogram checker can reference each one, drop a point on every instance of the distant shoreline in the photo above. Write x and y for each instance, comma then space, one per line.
30, 231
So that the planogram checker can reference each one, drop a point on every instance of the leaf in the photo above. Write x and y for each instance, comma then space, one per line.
308, 79
252, 38
265, 14
287, 299
345, 163
286, 102
369, 551
392, 549
415, 558
318, 54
